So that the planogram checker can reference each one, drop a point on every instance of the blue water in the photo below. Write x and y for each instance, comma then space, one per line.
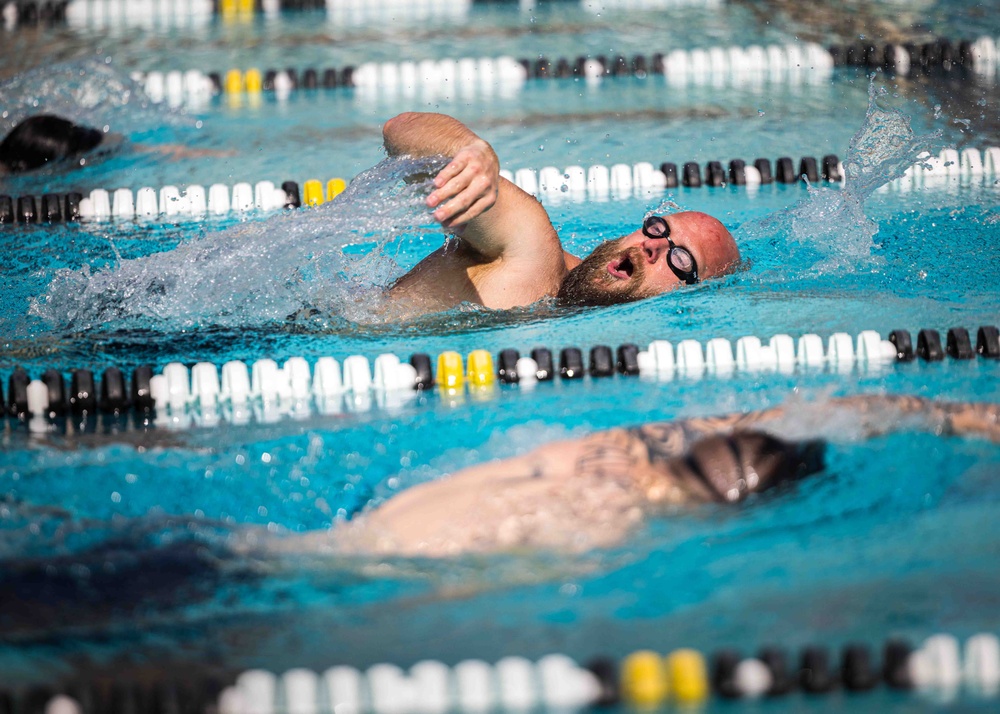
115, 545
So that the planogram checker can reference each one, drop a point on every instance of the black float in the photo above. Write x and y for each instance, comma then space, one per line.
628, 359
507, 366
904, 345
602, 364
421, 363
692, 175
571, 363
958, 345
929, 346
785, 170
814, 670
543, 358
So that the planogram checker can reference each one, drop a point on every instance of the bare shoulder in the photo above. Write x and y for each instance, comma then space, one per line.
527, 262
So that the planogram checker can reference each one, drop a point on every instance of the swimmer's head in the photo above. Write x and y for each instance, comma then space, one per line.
666, 253
728, 468
44, 139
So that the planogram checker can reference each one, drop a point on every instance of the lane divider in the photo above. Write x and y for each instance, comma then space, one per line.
168, 203
29, 13
734, 65
180, 13
152, 13
776, 63
980, 56
623, 180
573, 182
941, 668
265, 392
951, 167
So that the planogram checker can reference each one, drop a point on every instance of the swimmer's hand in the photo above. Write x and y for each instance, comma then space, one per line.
467, 187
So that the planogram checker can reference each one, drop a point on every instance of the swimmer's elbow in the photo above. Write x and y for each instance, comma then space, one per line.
394, 129
392, 125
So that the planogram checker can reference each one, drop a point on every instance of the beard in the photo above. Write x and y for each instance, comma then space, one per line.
590, 283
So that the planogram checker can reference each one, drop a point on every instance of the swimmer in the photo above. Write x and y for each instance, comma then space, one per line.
581, 494
508, 253
47, 140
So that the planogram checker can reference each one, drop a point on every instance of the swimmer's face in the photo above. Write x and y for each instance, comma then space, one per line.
638, 266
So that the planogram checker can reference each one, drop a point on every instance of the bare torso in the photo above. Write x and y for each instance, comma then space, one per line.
590, 493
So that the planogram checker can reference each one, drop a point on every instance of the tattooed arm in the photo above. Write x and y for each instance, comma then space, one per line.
865, 416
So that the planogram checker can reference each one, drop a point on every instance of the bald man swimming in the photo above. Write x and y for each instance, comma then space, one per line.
508, 253
591, 492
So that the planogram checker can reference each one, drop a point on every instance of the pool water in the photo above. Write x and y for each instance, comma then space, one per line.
116, 555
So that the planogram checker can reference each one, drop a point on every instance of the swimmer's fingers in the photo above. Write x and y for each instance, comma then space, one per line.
451, 189
463, 174
476, 209
476, 195
444, 183
467, 186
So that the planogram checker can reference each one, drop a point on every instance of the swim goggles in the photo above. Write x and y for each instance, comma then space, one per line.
680, 260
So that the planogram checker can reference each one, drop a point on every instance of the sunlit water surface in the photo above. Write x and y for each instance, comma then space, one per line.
117, 546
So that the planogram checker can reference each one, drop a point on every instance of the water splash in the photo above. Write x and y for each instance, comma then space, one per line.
261, 271
831, 223
93, 93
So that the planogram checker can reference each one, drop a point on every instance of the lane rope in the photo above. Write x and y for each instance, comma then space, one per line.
940, 669
950, 168
203, 395
753, 65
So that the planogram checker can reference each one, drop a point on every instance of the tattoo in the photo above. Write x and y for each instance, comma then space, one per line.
620, 453
663, 440
668, 440
608, 454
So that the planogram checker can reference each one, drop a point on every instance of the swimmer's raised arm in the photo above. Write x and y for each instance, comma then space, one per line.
494, 219
468, 186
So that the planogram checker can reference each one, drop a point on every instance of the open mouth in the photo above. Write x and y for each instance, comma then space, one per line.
622, 268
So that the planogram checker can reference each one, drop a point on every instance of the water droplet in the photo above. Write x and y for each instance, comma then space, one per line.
760, 112
541, 147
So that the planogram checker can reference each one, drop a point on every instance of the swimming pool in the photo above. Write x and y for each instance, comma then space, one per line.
116, 542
